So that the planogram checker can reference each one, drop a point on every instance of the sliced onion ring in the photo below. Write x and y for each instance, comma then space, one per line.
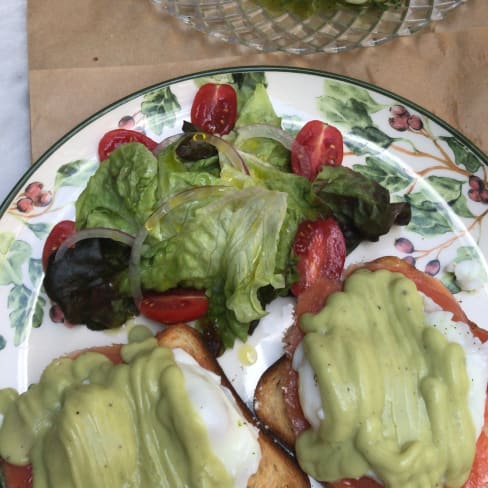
268, 131
168, 204
285, 138
93, 233
224, 148
167, 142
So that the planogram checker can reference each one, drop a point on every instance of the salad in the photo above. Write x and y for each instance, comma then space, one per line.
212, 223
307, 8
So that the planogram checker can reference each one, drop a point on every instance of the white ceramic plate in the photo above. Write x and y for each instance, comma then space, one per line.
428, 163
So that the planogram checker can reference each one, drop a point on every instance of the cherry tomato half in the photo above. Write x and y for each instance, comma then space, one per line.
117, 137
59, 233
321, 250
316, 145
214, 108
174, 306
16, 476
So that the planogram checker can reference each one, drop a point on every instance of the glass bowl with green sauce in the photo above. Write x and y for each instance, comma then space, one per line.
308, 26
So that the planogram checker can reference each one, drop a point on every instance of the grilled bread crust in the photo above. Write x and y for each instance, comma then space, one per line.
269, 402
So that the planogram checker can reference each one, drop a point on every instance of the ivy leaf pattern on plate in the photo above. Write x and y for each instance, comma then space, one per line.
392, 176
75, 173
346, 114
35, 272
13, 255
24, 306
40, 230
159, 108
360, 138
343, 92
26, 309
439, 191
462, 155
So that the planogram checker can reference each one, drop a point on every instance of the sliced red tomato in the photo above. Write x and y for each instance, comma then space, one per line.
293, 407
59, 233
430, 286
321, 250
214, 108
117, 137
479, 472
359, 483
316, 145
174, 306
16, 476
111, 352
311, 300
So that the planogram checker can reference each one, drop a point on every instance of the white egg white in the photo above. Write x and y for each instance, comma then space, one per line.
232, 439
476, 354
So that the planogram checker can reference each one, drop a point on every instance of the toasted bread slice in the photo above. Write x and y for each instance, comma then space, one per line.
277, 469
269, 402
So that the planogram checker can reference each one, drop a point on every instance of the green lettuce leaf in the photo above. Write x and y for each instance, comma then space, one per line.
258, 109
176, 176
226, 244
246, 83
122, 193
300, 202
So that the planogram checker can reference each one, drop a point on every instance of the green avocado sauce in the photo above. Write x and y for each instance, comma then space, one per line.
89, 422
394, 391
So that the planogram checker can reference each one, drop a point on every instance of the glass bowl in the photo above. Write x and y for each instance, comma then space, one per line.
334, 29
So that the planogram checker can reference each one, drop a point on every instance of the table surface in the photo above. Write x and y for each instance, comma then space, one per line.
14, 95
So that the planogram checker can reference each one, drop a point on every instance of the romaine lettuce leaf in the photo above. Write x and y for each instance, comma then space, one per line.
176, 176
300, 203
258, 110
226, 244
123, 191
